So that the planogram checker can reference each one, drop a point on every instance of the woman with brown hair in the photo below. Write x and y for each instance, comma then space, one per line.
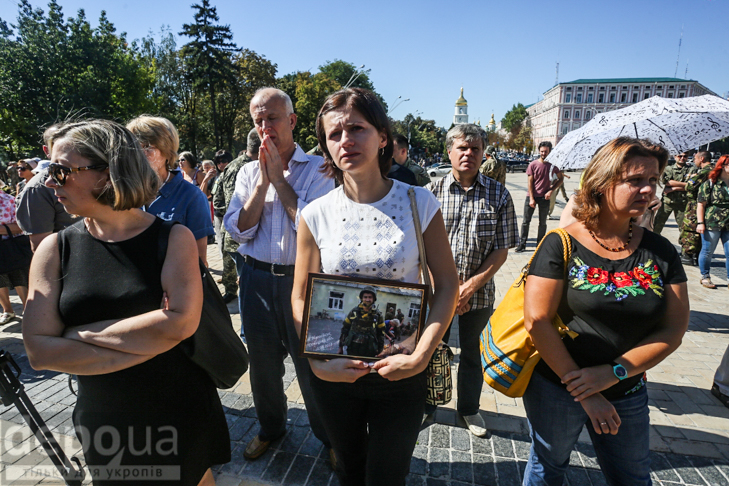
623, 291
360, 401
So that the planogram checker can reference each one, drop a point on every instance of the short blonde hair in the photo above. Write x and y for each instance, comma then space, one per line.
159, 132
605, 170
132, 181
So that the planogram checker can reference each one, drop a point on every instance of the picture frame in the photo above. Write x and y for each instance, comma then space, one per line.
340, 322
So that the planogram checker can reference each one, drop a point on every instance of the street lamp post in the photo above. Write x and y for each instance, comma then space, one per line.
415, 115
397, 103
356, 75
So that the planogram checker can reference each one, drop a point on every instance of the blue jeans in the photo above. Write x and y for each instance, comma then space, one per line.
543, 205
709, 240
268, 321
555, 422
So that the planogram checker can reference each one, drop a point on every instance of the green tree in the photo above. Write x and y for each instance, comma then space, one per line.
208, 55
343, 71
311, 91
514, 117
425, 137
51, 70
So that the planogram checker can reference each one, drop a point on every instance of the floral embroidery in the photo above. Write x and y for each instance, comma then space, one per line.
621, 284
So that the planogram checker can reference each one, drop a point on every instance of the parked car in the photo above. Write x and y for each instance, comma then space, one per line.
439, 170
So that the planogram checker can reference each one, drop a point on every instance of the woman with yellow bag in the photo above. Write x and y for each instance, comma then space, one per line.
625, 296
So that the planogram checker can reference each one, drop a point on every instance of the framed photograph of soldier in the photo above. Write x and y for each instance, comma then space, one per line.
361, 318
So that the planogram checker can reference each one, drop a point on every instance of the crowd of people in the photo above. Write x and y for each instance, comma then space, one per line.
102, 304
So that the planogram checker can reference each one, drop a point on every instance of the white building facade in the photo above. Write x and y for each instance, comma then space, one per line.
568, 106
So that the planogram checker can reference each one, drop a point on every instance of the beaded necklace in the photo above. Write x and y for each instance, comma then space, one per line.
619, 249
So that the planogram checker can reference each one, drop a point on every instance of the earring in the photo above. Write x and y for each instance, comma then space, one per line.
382, 152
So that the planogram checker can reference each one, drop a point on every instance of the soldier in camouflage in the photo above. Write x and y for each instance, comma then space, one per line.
493, 167
224, 189
400, 155
363, 330
712, 212
674, 193
690, 239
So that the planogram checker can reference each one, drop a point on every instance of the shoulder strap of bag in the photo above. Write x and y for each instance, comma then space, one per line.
421, 244
566, 252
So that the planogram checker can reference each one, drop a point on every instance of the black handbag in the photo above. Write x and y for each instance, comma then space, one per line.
15, 252
215, 346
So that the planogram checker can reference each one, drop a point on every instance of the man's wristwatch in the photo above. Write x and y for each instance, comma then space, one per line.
619, 371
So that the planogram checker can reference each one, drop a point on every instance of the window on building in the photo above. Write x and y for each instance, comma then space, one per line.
579, 88
569, 88
646, 96
602, 88
670, 95
613, 88
636, 87
578, 98
683, 86
671, 87
590, 88
566, 114
577, 114
623, 97
635, 97
601, 98
589, 97
336, 300
681, 95
565, 129
568, 97
588, 114
612, 97
647, 87
414, 311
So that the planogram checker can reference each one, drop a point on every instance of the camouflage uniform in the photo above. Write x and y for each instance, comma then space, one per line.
222, 194
495, 169
716, 198
689, 239
363, 332
420, 174
673, 202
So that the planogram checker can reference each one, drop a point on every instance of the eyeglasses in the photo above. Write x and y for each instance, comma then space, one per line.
681, 156
22, 169
59, 172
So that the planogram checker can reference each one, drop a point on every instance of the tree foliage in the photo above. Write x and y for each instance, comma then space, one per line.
209, 59
426, 139
514, 117
52, 69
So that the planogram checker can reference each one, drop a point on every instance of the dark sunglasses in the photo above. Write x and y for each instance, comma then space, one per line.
59, 172
22, 169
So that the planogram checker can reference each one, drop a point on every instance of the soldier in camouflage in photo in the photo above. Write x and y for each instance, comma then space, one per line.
690, 239
363, 330
674, 195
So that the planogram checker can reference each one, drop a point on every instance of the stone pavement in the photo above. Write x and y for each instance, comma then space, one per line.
689, 427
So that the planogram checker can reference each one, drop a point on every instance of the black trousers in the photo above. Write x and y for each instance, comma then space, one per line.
543, 205
373, 425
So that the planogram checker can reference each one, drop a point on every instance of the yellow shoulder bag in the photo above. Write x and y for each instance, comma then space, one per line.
508, 356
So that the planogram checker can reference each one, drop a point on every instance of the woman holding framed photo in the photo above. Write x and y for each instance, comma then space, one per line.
364, 228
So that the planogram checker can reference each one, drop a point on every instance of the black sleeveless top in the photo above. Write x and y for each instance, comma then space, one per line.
103, 280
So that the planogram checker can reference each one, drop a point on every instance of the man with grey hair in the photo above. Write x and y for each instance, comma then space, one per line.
481, 223
263, 216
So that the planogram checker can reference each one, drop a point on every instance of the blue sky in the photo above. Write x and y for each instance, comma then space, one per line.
500, 52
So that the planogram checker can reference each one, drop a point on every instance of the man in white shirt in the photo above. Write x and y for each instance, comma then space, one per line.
263, 216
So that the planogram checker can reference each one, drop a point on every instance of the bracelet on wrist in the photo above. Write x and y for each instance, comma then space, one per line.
700, 222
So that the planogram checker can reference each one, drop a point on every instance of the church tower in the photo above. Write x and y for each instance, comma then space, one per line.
461, 115
492, 124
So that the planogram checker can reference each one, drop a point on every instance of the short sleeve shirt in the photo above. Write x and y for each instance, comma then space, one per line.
716, 198
180, 201
540, 175
611, 304
374, 240
38, 210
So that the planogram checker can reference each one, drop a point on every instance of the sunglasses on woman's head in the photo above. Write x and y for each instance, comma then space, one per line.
59, 172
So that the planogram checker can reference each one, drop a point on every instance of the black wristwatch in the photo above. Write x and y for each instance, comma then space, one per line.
619, 371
